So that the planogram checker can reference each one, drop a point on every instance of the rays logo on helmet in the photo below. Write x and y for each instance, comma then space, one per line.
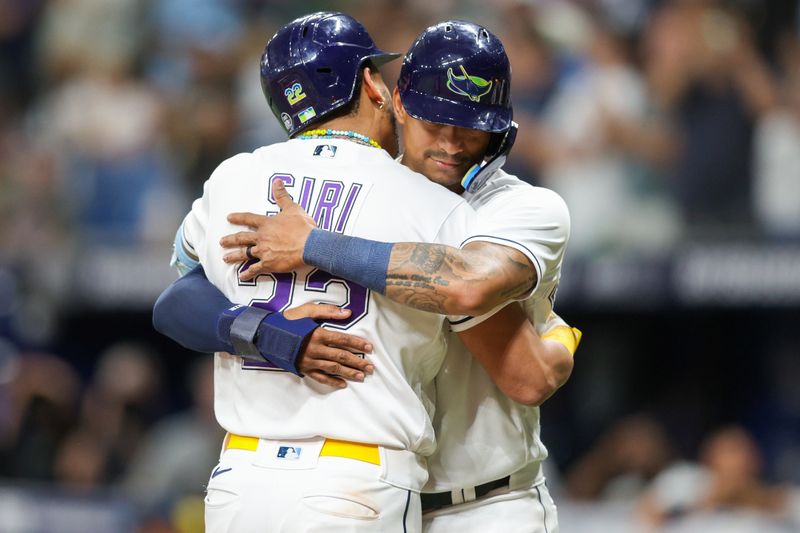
473, 87
294, 94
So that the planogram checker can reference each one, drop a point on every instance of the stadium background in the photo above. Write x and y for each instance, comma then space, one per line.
672, 129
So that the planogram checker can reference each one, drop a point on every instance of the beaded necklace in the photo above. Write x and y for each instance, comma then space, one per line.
340, 134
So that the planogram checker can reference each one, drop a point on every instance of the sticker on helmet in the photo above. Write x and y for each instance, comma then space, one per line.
306, 114
473, 87
294, 94
287, 121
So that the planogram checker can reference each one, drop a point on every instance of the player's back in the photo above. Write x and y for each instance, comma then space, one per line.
352, 189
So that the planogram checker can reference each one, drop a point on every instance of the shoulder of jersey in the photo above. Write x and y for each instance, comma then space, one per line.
404, 183
235, 167
274, 149
416, 188
243, 161
508, 196
507, 185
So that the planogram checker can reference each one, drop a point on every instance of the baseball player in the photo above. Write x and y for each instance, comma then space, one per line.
301, 456
453, 104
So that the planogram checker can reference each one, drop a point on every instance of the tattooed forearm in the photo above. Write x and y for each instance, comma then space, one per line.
429, 259
447, 280
400, 278
419, 299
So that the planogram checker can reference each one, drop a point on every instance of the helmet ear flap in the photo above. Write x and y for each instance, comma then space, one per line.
479, 174
495, 143
502, 141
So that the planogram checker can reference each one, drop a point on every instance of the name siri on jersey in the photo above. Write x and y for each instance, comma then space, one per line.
325, 207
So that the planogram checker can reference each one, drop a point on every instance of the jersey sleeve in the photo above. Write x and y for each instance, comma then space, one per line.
191, 234
184, 257
455, 230
463, 323
534, 221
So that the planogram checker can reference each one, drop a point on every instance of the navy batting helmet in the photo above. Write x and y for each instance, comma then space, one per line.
457, 73
310, 67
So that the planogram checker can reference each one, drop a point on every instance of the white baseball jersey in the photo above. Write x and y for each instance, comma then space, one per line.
482, 434
351, 189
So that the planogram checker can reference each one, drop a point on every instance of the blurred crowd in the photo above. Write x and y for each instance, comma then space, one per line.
722, 489
659, 122
661, 125
115, 434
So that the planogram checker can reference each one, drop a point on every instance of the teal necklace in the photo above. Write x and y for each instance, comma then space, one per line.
340, 134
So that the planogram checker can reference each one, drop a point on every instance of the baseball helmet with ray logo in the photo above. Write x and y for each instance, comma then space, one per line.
457, 73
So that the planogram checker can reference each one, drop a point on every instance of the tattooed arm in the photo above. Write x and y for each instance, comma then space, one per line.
468, 281
431, 277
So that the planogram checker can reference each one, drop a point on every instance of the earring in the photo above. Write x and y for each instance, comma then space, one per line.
381, 104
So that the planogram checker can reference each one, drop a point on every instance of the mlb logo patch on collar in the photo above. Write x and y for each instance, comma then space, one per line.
325, 150
289, 452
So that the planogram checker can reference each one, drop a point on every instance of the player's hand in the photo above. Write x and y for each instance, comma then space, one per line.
329, 356
277, 242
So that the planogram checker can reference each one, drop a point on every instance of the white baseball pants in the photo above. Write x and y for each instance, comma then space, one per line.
305, 486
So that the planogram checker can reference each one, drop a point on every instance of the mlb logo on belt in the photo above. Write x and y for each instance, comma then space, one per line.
325, 150
289, 452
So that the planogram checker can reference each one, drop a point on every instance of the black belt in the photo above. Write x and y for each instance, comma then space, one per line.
437, 500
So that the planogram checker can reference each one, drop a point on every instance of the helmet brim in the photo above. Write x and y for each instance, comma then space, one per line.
383, 57
474, 116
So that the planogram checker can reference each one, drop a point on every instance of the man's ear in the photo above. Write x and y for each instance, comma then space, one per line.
375, 87
399, 111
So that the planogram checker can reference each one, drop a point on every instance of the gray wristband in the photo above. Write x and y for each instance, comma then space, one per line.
244, 329
361, 260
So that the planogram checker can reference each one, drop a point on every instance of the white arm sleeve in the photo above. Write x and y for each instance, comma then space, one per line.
190, 235
190, 240
461, 222
184, 258
532, 220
